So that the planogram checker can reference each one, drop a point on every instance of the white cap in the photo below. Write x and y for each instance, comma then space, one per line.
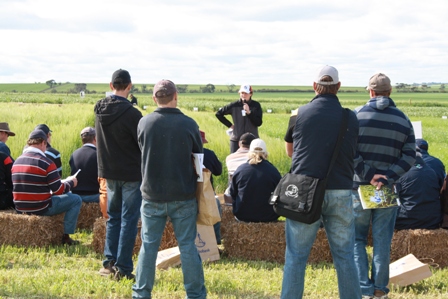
258, 146
327, 71
245, 88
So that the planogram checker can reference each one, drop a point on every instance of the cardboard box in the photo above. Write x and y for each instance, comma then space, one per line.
408, 270
168, 258
205, 243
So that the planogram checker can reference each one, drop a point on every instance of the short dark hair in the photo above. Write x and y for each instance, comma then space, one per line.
165, 100
87, 138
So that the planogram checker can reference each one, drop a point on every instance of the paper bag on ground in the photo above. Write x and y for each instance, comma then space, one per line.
168, 258
408, 270
206, 243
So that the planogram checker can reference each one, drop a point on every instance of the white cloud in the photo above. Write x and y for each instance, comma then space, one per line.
259, 42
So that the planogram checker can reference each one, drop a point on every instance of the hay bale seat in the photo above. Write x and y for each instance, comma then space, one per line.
30, 230
266, 242
99, 237
88, 214
429, 246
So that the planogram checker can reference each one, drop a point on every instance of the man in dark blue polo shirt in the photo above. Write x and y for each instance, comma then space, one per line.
314, 138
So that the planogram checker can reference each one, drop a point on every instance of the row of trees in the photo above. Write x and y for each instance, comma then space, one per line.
210, 88
403, 87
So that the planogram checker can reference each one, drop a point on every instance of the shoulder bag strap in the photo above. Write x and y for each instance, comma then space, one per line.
341, 135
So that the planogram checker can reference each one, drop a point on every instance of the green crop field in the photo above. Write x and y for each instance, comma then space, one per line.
61, 272
67, 114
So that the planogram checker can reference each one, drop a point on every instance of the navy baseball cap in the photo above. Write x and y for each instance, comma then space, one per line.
421, 144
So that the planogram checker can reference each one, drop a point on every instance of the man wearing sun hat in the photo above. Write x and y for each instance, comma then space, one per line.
246, 114
385, 152
314, 135
5, 133
6, 161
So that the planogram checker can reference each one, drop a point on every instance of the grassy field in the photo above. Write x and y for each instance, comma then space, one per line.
71, 272
66, 115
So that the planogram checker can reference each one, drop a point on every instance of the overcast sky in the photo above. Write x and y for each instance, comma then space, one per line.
259, 42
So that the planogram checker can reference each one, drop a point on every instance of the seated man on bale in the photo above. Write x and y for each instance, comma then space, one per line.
252, 185
6, 201
433, 162
85, 159
50, 152
419, 197
38, 189
236, 159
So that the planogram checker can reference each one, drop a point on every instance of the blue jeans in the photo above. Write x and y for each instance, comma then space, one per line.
68, 203
123, 207
338, 220
183, 215
91, 198
383, 222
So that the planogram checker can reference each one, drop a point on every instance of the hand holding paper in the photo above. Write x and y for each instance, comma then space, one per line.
198, 165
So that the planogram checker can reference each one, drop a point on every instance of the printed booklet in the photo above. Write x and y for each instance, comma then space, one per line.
376, 199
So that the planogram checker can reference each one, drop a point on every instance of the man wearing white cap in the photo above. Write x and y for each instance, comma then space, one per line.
314, 138
252, 185
246, 114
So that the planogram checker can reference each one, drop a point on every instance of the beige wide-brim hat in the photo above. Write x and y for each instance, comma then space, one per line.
5, 128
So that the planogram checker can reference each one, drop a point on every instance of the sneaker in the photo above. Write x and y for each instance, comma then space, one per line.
119, 276
66, 240
378, 294
108, 270
367, 297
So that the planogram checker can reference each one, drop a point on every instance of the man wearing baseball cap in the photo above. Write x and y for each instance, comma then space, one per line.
51, 153
5, 132
237, 158
85, 159
252, 185
435, 163
315, 133
385, 152
246, 114
119, 162
168, 138
38, 188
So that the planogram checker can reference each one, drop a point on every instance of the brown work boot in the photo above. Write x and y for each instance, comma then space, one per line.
66, 240
108, 270
119, 275
378, 294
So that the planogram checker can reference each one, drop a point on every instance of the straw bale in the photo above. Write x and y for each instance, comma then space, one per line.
266, 241
429, 246
30, 230
226, 218
88, 214
99, 236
